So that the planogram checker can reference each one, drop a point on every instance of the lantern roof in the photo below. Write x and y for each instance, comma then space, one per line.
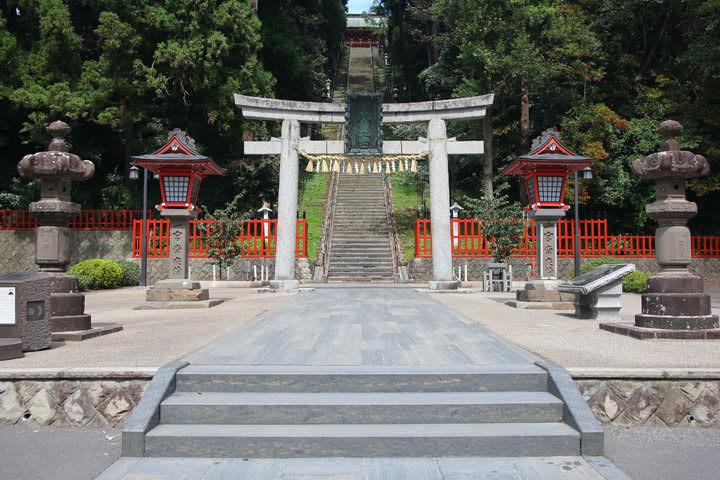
548, 152
179, 151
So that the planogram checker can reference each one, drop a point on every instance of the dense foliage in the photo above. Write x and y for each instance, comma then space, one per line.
124, 73
602, 72
97, 273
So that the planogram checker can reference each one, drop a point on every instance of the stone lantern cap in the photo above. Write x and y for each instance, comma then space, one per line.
670, 161
56, 162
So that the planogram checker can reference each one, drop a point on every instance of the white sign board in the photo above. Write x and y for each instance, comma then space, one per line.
7, 305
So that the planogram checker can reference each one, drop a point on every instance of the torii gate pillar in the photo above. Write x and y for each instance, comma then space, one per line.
439, 207
287, 208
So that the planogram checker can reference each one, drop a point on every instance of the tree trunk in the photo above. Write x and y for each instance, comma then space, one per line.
488, 146
524, 119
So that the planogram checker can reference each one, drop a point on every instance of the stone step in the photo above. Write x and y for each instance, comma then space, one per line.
356, 408
304, 379
399, 440
361, 279
365, 257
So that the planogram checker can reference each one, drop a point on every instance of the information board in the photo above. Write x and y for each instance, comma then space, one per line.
7, 305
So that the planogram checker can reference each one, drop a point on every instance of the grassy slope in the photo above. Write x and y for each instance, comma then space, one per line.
407, 204
312, 200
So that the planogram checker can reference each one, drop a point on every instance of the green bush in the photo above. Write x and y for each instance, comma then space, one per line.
130, 273
97, 273
635, 282
84, 283
596, 262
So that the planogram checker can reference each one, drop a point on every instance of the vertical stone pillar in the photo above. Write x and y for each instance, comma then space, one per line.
439, 208
287, 208
179, 219
546, 241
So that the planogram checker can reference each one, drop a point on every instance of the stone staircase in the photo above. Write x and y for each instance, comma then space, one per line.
332, 411
360, 249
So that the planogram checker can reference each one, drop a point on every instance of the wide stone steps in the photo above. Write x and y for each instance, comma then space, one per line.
331, 379
333, 411
367, 440
356, 408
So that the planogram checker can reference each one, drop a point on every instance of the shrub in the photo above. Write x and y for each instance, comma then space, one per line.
130, 273
97, 273
635, 282
596, 262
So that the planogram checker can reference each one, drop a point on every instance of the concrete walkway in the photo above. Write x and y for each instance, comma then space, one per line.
372, 328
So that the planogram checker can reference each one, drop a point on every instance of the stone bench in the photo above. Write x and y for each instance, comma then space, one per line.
597, 292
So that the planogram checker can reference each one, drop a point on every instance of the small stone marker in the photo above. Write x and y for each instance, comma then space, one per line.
597, 292
25, 313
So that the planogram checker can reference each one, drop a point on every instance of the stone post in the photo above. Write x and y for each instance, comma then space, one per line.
443, 278
179, 219
543, 292
675, 298
287, 208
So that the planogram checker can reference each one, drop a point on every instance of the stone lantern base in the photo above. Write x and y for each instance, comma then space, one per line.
673, 307
177, 294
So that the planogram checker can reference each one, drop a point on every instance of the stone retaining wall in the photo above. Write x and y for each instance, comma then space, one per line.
420, 269
71, 402
93, 402
653, 403
17, 254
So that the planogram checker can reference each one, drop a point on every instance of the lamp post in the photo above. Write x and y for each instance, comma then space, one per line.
586, 175
134, 174
455, 209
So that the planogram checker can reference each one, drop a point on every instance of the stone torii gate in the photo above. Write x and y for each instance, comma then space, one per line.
435, 113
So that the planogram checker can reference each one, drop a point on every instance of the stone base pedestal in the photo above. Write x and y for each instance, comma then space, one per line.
177, 294
284, 285
435, 285
10, 348
542, 295
674, 307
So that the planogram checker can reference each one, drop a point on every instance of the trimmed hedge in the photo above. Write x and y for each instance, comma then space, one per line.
130, 273
97, 273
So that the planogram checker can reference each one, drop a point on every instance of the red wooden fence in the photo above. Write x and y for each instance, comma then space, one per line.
258, 238
468, 241
87, 220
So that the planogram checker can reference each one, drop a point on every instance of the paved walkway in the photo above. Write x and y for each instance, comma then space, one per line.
370, 327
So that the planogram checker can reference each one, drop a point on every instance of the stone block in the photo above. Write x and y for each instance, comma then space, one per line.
10, 408
25, 308
179, 295
67, 303
674, 408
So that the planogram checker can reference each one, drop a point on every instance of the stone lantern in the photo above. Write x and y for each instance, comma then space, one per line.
181, 169
545, 170
57, 169
674, 305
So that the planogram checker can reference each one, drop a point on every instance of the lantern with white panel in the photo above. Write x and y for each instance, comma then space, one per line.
181, 169
545, 170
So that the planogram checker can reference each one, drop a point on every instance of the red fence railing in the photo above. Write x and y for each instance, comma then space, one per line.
468, 241
87, 220
258, 238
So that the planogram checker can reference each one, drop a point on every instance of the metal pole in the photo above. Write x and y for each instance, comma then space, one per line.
577, 227
143, 261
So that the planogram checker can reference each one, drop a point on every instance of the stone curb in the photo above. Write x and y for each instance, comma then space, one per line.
644, 373
89, 373
577, 413
146, 414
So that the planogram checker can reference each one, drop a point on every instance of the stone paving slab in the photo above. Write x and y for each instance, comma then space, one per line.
523, 468
357, 326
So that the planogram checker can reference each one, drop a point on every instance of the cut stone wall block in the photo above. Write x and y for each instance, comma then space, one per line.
674, 407
10, 409
42, 408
